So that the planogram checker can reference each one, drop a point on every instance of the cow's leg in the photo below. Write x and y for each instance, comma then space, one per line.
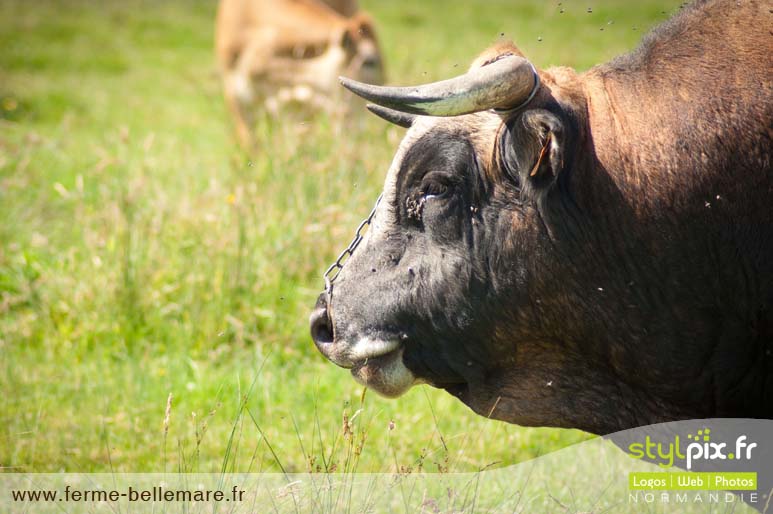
241, 92
240, 107
240, 99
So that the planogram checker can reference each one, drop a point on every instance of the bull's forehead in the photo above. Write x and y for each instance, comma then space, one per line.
479, 129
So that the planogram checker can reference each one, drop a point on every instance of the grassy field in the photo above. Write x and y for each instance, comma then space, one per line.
142, 255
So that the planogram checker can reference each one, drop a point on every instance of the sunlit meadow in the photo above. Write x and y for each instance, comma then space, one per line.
155, 281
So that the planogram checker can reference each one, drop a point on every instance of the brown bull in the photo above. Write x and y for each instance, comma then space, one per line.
586, 250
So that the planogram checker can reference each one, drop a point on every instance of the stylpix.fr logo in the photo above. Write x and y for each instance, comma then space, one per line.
700, 447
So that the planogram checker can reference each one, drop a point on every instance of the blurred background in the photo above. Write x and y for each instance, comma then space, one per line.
144, 253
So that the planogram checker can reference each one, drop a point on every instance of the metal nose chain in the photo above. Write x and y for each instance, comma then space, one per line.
332, 272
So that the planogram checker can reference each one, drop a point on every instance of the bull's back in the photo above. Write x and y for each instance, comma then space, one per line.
682, 131
690, 112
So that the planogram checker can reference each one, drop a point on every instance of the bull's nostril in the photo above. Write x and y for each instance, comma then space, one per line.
321, 327
320, 323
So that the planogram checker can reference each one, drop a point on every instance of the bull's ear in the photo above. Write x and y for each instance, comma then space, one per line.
533, 149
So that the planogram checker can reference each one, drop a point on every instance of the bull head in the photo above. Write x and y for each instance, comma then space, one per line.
590, 251
438, 290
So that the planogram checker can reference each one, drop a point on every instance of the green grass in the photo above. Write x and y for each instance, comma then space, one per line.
142, 254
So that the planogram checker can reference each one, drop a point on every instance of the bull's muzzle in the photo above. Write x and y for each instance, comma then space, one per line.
375, 361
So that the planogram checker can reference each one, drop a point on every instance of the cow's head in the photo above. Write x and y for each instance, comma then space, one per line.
454, 281
312, 64
352, 50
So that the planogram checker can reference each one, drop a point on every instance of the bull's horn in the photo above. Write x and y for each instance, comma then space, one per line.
504, 84
402, 119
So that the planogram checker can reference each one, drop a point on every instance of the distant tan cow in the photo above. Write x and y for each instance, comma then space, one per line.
272, 52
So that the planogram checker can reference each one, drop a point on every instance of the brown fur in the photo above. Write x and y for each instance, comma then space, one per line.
273, 51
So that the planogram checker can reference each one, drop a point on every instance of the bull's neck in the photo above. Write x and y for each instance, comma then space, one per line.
660, 196
631, 145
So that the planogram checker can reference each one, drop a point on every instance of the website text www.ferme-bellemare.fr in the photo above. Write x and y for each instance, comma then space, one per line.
130, 494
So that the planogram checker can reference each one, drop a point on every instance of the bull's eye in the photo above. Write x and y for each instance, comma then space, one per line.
435, 189
433, 186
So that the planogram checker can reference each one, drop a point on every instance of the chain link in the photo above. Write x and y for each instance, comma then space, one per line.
332, 272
